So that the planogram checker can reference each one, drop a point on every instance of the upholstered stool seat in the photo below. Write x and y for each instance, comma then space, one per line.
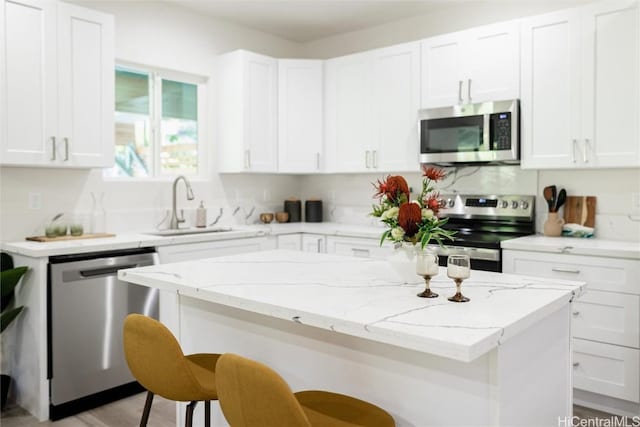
157, 362
253, 395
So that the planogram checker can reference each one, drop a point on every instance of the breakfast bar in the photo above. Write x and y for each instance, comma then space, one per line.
350, 325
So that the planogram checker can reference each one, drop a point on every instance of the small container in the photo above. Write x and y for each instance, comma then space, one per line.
201, 216
313, 210
294, 208
282, 217
266, 217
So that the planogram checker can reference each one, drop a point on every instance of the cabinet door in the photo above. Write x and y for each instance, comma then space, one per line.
260, 112
610, 84
606, 369
300, 108
550, 103
290, 242
442, 76
86, 87
313, 243
28, 86
348, 112
493, 55
396, 100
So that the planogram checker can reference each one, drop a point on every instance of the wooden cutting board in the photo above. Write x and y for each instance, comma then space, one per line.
68, 237
580, 210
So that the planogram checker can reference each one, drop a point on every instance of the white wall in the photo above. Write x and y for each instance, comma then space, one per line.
167, 37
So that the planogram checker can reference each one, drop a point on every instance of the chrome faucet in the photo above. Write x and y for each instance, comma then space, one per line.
174, 224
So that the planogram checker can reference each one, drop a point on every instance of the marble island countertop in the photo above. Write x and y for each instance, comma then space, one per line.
364, 298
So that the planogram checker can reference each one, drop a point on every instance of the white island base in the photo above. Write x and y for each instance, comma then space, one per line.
347, 325
525, 381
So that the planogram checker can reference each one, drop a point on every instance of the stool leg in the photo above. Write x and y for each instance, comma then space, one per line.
207, 413
189, 418
146, 410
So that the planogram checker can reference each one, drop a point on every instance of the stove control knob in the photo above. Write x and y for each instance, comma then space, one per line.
442, 203
514, 204
524, 204
504, 204
451, 202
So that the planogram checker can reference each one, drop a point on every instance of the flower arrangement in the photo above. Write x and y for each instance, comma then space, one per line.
411, 220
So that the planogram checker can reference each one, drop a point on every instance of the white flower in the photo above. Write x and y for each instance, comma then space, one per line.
427, 213
397, 233
391, 213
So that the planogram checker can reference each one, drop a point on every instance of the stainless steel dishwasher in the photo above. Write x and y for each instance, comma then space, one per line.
87, 305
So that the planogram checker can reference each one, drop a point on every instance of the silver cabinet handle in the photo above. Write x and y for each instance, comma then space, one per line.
247, 159
576, 313
53, 144
318, 161
460, 91
586, 145
66, 149
576, 364
360, 252
565, 270
573, 150
469, 89
375, 158
367, 161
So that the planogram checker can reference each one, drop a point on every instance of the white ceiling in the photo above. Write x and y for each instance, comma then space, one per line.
307, 20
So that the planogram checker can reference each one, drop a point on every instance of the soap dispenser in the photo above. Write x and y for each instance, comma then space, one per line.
201, 215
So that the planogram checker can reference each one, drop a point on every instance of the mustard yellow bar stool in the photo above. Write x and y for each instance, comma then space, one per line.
253, 395
158, 363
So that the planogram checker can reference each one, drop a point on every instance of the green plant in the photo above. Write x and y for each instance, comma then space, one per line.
9, 279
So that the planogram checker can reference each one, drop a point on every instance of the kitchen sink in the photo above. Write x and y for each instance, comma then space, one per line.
184, 231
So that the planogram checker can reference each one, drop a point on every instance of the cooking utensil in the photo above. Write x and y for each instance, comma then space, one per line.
562, 197
548, 196
554, 194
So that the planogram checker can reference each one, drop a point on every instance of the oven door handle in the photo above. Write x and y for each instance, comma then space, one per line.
484, 254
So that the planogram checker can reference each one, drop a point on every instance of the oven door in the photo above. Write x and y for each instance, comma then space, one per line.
481, 258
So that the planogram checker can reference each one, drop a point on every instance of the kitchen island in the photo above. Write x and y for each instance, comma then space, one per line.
349, 325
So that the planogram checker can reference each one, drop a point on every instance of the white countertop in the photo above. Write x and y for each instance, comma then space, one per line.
140, 240
364, 298
576, 246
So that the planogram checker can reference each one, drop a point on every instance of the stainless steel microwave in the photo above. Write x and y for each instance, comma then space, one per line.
485, 132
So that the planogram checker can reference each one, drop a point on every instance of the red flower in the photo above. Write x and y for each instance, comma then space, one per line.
409, 218
432, 203
393, 187
433, 174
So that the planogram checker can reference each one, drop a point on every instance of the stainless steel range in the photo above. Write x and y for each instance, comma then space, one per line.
482, 222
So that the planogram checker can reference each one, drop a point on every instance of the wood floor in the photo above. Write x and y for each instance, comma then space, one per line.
127, 412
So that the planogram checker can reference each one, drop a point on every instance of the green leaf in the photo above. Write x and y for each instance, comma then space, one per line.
9, 279
7, 317
6, 261
384, 236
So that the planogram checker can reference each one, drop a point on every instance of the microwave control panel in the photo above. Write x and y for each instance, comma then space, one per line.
501, 131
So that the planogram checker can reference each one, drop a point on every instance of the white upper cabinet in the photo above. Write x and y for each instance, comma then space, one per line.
247, 112
371, 110
396, 101
300, 116
580, 94
477, 65
56, 85
348, 113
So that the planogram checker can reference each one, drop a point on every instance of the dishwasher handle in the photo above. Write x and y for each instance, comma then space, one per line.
105, 271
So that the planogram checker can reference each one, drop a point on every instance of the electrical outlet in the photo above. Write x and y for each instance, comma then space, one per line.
35, 201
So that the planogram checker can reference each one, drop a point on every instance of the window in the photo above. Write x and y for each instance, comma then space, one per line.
157, 132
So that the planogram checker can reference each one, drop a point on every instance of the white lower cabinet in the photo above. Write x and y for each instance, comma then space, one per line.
358, 247
313, 243
193, 251
292, 242
605, 321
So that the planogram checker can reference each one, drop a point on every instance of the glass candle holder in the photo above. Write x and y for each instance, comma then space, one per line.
458, 269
